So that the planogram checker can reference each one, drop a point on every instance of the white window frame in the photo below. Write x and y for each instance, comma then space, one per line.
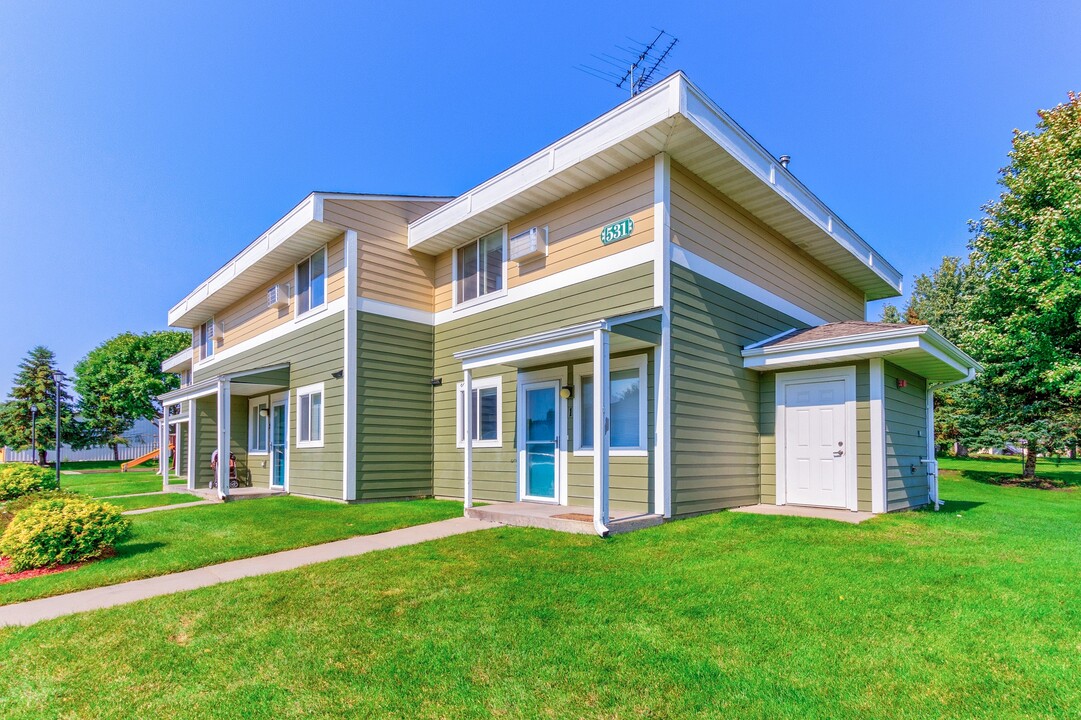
206, 340
297, 314
308, 391
253, 419
480, 299
632, 362
496, 381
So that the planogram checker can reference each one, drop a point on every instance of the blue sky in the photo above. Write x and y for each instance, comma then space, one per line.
143, 144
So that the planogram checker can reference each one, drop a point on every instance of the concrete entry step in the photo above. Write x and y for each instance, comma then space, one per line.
562, 518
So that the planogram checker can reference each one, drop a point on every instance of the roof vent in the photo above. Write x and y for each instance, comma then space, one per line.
784, 160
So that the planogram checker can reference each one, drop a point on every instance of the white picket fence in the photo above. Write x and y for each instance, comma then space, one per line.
127, 452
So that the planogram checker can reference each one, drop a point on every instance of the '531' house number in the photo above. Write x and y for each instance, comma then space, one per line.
617, 231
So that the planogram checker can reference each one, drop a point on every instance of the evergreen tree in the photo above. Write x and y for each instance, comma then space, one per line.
890, 314
33, 385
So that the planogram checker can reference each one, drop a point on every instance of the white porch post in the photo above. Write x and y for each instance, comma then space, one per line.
601, 439
163, 448
467, 431
193, 460
176, 453
223, 438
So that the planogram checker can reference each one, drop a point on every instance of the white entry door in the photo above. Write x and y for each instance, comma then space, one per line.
816, 455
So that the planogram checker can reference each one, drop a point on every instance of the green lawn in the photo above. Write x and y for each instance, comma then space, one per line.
100, 484
138, 502
186, 538
973, 611
983, 468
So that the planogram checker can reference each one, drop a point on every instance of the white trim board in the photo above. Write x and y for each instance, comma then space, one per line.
279, 331
879, 489
848, 375
705, 268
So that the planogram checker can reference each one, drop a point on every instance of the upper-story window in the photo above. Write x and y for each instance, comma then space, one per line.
480, 267
206, 339
312, 283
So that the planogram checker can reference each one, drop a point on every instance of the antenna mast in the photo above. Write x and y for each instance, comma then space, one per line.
637, 65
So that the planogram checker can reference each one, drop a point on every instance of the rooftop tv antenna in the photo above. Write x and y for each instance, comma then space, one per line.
635, 68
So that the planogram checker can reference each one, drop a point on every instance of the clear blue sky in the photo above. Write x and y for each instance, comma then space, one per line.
143, 143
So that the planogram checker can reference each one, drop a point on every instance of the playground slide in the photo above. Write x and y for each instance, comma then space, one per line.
141, 459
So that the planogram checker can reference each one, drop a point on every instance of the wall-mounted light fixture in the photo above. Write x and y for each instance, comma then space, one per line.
901, 382
263, 412
566, 392
338, 374
437, 382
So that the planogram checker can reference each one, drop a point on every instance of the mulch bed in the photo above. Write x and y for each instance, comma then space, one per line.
1037, 483
7, 577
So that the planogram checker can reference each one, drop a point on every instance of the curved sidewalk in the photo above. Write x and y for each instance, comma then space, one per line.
32, 611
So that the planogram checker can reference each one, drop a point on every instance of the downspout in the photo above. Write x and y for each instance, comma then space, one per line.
932, 464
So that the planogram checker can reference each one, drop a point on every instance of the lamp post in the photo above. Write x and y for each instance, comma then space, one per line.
57, 377
34, 432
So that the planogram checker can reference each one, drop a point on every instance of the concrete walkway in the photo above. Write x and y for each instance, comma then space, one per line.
32, 611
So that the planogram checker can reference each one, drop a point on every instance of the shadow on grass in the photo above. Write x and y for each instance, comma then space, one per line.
1063, 481
137, 549
958, 505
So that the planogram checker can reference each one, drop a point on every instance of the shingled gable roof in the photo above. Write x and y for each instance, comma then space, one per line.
831, 331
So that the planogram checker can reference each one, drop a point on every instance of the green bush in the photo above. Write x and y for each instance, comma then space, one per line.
58, 531
8, 509
18, 479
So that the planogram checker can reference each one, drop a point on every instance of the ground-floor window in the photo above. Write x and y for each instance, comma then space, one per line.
258, 426
310, 416
628, 383
487, 412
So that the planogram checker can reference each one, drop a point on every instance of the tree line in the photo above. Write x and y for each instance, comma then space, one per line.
1014, 303
115, 385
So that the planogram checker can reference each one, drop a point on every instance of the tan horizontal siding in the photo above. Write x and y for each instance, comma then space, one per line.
387, 270
495, 469
574, 224
714, 228
906, 439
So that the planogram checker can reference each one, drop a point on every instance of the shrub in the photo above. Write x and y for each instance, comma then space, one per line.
58, 531
18, 479
8, 509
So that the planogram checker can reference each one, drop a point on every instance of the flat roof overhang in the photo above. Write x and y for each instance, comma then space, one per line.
918, 349
242, 383
291, 239
179, 362
628, 332
673, 116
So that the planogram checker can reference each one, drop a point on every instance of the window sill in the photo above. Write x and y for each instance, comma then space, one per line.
487, 297
614, 452
257, 452
309, 444
310, 313
483, 444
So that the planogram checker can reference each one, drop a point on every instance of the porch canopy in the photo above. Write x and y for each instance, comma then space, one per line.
599, 337
242, 383
916, 348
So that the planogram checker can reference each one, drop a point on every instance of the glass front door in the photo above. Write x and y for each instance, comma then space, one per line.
541, 434
278, 438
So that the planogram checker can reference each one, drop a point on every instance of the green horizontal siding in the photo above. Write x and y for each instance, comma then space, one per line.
495, 469
313, 352
906, 439
715, 400
394, 408
768, 442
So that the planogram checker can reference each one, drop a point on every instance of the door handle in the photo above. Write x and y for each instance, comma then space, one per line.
838, 453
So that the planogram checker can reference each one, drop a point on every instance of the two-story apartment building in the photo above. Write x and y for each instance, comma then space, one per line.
373, 347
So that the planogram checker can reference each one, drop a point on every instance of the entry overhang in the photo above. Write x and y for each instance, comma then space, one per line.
916, 348
245, 382
629, 331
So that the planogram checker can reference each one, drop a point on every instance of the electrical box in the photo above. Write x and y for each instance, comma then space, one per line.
278, 296
529, 245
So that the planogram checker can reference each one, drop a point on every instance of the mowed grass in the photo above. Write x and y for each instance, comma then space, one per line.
185, 538
139, 502
987, 468
100, 484
972, 611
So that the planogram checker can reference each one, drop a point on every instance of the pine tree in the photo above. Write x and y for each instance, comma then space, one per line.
890, 314
33, 385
